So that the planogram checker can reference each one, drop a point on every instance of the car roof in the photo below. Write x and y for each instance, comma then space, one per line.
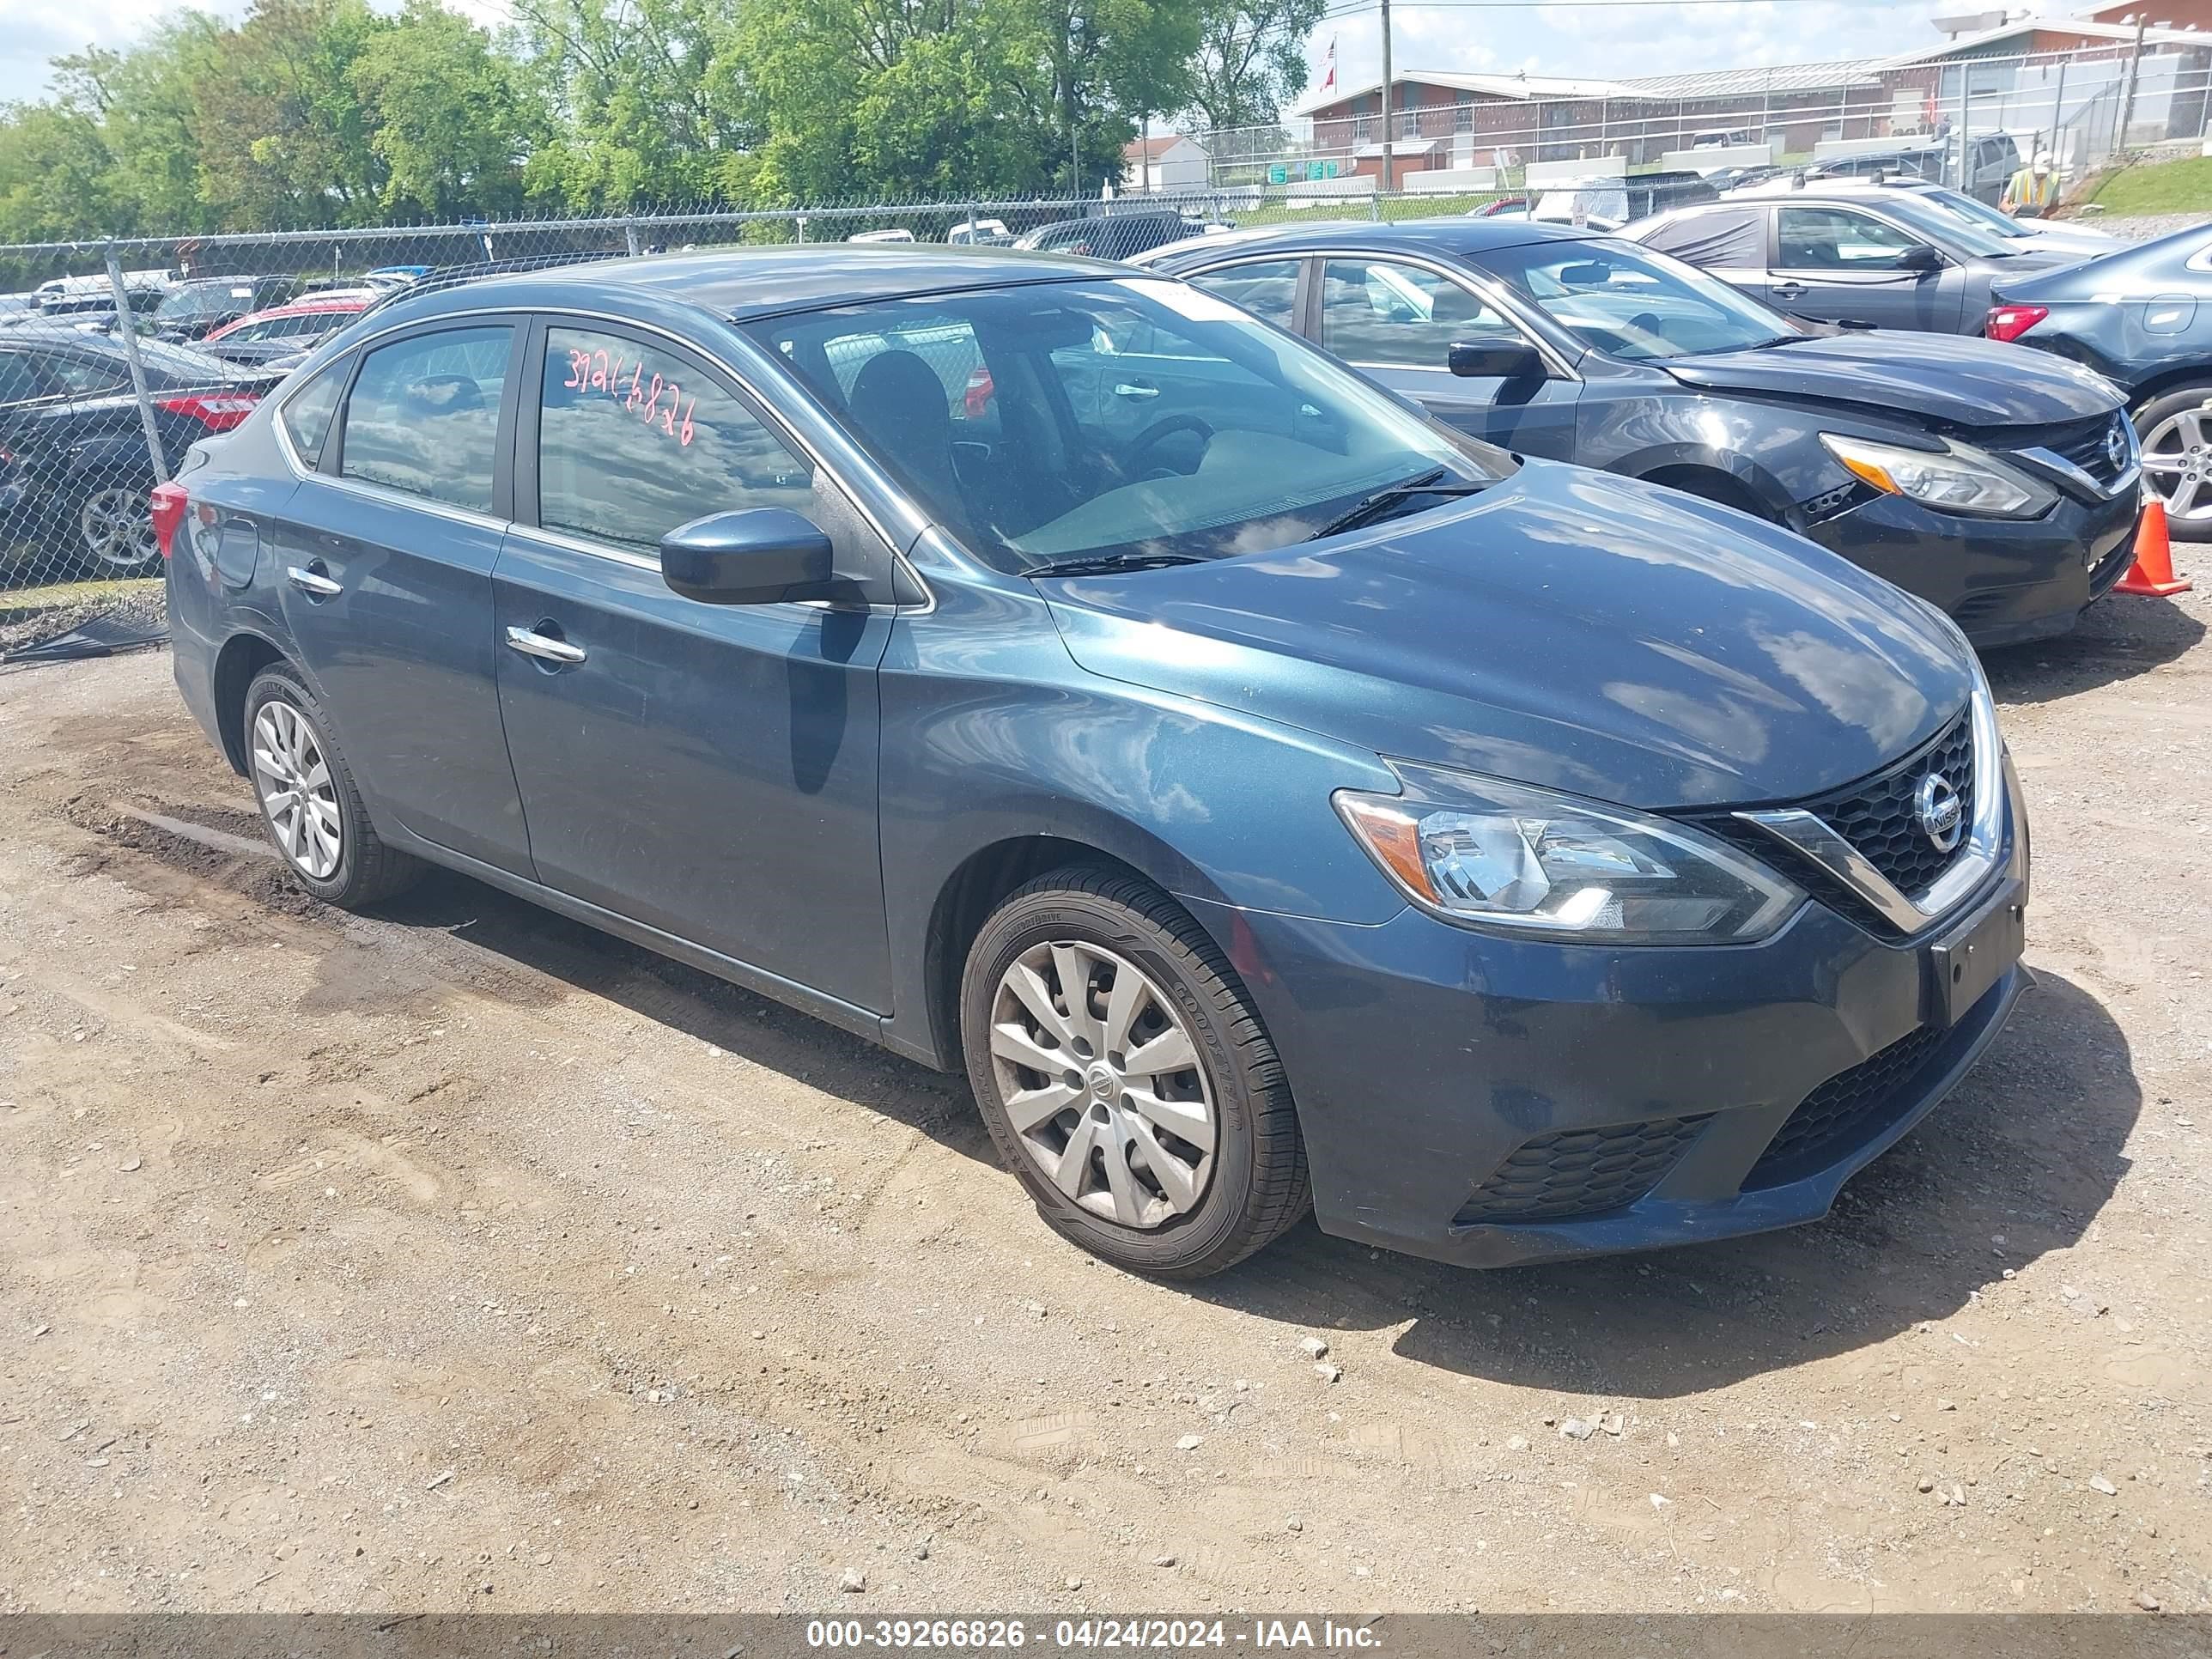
1454, 235
742, 283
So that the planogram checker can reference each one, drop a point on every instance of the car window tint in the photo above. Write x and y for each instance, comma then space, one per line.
423, 415
1267, 288
1836, 239
87, 379
632, 441
19, 379
1727, 239
306, 413
1378, 311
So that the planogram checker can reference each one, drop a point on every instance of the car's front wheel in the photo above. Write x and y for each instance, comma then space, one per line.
1126, 1078
309, 799
2177, 458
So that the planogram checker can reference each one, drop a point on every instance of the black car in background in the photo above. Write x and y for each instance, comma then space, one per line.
1848, 256
1999, 487
190, 309
1112, 235
2141, 317
74, 468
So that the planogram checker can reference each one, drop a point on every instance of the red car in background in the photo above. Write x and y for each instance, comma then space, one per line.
276, 336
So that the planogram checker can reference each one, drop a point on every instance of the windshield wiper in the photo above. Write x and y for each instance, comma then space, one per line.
1098, 564
1428, 484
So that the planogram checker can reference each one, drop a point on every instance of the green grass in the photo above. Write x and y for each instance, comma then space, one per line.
21, 603
2182, 186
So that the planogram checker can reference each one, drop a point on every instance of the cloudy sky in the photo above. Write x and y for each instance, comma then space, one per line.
1636, 37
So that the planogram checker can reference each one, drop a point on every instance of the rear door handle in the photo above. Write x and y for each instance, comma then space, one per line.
544, 647
1790, 291
1130, 389
313, 582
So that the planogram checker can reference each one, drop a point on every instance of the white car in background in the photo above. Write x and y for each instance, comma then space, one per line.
2027, 236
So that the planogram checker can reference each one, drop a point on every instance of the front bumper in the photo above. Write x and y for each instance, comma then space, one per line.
1488, 1102
2002, 581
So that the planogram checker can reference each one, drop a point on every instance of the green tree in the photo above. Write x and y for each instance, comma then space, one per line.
145, 101
1251, 59
284, 139
451, 119
55, 175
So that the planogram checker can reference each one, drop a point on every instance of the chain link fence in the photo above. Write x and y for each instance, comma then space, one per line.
116, 357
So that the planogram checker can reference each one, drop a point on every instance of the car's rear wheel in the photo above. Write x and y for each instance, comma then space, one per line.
1126, 1078
309, 799
2177, 458
115, 528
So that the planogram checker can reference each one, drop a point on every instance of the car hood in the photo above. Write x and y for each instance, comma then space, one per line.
1948, 378
1567, 628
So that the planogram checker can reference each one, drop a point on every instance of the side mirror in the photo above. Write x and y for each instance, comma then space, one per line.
1502, 360
1920, 256
758, 556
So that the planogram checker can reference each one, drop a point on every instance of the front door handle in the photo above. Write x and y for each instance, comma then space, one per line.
1790, 291
544, 647
1131, 389
313, 582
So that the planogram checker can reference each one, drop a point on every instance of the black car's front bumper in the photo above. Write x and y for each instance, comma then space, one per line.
2002, 581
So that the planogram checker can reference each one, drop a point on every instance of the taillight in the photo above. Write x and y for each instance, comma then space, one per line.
217, 412
169, 502
975, 400
2010, 322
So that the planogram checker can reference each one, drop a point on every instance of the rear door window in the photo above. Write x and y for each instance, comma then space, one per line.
306, 414
1837, 239
635, 440
423, 415
1267, 288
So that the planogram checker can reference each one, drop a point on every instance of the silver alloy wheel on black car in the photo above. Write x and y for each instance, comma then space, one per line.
1100, 1080
2177, 458
116, 526
299, 796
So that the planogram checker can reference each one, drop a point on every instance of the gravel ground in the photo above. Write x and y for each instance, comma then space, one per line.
2143, 227
458, 1257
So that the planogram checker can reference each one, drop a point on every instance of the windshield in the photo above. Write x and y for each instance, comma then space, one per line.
1995, 220
205, 300
1950, 232
1631, 302
1134, 417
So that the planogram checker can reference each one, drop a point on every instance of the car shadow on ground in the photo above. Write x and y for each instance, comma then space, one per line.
2026, 1152
698, 1005
2122, 636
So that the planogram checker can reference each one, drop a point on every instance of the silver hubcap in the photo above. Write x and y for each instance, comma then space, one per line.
294, 781
1102, 1084
118, 526
2177, 458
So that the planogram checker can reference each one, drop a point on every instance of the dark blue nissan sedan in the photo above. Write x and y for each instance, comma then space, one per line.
1268, 795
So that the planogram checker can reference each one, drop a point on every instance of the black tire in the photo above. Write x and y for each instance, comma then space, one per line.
1257, 1187
2149, 419
366, 869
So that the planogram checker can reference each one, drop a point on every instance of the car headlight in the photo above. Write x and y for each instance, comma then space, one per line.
1958, 478
1493, 854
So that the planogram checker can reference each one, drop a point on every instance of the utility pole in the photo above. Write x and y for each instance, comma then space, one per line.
1389, 171
2128, 103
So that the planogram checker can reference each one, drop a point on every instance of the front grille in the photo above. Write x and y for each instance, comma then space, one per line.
1846, 1111
2083, 443
1878, 817
1580, 1172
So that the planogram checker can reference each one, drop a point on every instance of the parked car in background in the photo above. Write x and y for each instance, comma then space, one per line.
2141, 316
1990, 159
1883, 258
286, 331
1113, 235
2001, 490
77, 458
1605, 205
1198, 746
391, 276
980, 233
897, 234
191, 310
2064, 236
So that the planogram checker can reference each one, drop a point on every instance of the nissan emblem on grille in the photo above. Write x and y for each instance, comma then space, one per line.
2116, 447
1942, 815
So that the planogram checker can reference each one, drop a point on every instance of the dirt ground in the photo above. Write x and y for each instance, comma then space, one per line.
458, 1257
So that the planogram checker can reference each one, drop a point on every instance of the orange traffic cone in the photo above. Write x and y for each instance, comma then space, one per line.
2152, 573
